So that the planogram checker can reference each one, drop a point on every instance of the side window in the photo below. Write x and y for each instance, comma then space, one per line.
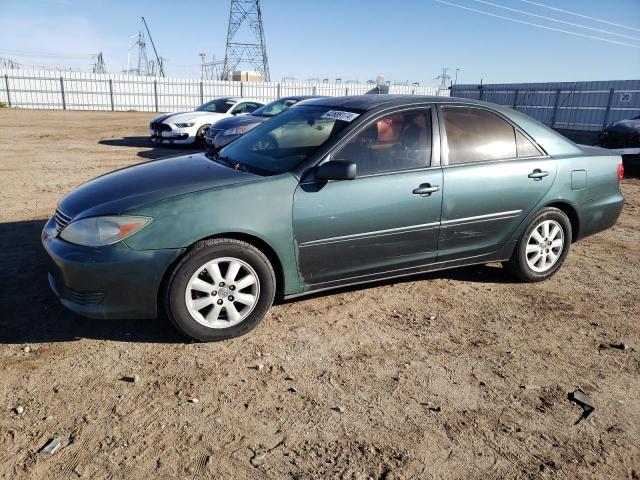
476, 135
396, 142
250, 107
525, 147
239, 108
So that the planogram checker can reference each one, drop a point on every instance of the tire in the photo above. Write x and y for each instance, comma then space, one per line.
202, 131
525, 264
226, 311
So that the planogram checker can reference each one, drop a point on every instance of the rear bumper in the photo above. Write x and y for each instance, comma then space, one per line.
599, 214
114, 281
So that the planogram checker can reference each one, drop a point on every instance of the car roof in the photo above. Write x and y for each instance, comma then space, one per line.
371, 101
240, 99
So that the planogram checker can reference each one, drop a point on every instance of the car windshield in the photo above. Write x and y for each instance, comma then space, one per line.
280, 144
274, 108
221, 105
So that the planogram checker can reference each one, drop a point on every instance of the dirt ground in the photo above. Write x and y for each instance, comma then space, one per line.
421, 378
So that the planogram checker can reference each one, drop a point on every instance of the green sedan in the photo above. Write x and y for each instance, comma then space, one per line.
332, 192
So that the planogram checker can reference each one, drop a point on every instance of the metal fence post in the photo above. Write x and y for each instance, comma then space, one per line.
515, 98
155, 93
278, 89
346, 91
606, 112
481, 94
201, 93
242, 89
64, 102
111, 94
314, 90
555, 108
6, 84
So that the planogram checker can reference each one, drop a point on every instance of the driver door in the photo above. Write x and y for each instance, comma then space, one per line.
381, 223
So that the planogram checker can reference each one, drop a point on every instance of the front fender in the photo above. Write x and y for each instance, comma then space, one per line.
262, 209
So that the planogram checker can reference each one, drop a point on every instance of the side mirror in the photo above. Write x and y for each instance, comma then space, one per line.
336, 170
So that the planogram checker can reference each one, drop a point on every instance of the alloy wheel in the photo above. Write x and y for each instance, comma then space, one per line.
544, 246
222, 292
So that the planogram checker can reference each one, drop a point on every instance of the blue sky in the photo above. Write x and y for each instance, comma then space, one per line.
350, 39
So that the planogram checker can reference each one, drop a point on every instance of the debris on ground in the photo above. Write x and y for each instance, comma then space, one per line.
193, 400
581, 398
339, 409
615, 345
51, 447
258, 366
431, 407
19, 409
531, 386
131, 378
26, 349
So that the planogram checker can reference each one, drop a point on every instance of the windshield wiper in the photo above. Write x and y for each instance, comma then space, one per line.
228, 162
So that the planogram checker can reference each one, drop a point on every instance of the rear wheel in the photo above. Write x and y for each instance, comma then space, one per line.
221, 289
542, 248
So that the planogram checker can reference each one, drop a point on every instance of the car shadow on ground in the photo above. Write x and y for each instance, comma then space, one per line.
30, 312
150, 151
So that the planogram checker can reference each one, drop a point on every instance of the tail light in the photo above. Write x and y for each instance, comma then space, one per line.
620, 170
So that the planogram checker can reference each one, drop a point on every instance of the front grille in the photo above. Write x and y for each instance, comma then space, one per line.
212, 132
61, 220
163, 127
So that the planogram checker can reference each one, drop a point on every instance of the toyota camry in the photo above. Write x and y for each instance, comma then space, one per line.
331, 192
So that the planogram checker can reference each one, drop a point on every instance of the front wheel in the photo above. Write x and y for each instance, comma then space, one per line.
200, 134
221, 289
542, 248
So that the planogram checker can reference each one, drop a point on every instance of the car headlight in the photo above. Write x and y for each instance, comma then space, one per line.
100, 231
185, 125
239, 130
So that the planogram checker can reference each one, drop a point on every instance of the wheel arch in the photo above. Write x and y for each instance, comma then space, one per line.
257, 242
570, 211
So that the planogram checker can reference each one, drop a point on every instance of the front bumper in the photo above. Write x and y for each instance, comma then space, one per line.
180, 136
113, 281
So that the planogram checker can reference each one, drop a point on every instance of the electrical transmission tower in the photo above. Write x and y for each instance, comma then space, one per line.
99, 66
444, 78
252, 51
144, 66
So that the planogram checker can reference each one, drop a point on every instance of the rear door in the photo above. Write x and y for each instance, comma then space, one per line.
493, 176
380, 222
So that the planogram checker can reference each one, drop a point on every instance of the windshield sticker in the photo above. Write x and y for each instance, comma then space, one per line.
339, 115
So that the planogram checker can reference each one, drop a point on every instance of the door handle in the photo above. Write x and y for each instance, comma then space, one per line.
426, 189
538, 174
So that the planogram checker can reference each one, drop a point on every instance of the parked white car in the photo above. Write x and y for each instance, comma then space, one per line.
184, 128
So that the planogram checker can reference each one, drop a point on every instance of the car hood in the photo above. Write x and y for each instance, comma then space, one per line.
189, 116
238, 121
118, 191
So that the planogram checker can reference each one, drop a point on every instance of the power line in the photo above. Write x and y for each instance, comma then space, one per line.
579, 15
538, 25
556, 20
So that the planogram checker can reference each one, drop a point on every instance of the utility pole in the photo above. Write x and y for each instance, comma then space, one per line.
252, 51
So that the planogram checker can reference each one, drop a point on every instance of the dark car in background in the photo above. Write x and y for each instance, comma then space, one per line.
622, 134
226, 130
